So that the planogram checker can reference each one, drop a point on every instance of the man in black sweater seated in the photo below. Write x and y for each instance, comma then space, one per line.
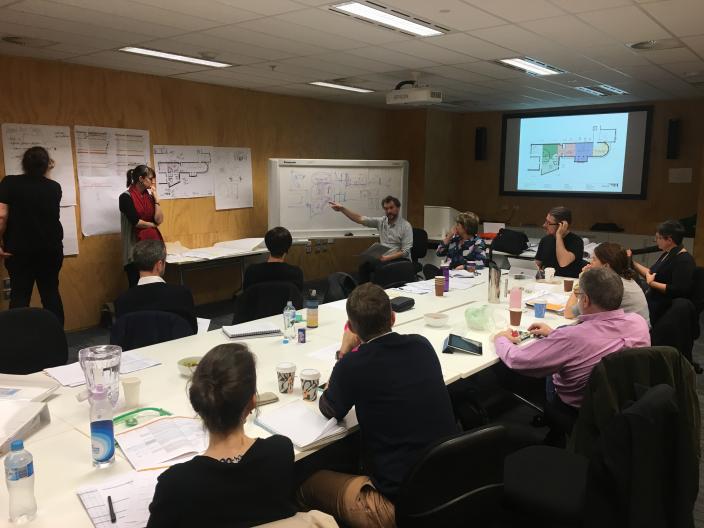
278, 241
152, 292
396, 385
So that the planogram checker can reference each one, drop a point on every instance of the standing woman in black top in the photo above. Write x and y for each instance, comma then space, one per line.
239, 481
31, 234
141, 216
672, 275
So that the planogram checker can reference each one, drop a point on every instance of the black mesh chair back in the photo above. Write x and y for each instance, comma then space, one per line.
265, 299
395, 274
340, 285
458, 482
430, 271
678, 327
32, 340
148, 327
420, 244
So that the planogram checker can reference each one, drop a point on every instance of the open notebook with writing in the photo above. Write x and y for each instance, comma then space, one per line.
304, 425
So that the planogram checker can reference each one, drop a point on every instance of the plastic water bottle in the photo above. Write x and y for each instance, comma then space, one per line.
312, 310
102, 434
19, 475
289, 322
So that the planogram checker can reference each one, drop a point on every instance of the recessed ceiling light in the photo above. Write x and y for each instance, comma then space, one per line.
612, 89
175, 57
384, 17
531, 66
652, 45
29, 42
341, 87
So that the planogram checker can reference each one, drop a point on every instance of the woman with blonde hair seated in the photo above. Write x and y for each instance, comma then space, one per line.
461, 244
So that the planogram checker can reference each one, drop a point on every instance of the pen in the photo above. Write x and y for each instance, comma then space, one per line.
113, 517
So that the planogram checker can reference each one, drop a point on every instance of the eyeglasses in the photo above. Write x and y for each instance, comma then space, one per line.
546, 223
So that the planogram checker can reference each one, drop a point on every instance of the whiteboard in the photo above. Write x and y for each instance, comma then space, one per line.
300, 189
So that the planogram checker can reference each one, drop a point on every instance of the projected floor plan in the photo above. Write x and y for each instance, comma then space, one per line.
545, 157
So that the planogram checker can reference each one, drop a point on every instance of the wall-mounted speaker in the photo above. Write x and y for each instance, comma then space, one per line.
673, 138
480, 143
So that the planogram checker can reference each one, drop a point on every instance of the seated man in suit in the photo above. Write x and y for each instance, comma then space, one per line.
569, 353
278, 241
152, 292
396, 385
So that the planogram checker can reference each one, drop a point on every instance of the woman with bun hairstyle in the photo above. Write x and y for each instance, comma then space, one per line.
31, 236
141, 215
238, 480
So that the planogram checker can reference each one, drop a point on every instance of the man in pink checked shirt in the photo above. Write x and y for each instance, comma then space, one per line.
569, 353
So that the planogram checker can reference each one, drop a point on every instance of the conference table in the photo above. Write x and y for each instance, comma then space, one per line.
62, 448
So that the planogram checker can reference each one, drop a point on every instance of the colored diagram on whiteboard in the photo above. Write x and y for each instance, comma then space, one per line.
573, 153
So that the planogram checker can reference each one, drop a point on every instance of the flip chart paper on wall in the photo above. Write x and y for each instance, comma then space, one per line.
300, 191
68, 221
17, 138
103, 156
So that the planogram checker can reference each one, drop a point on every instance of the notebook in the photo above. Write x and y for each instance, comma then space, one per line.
374, 252
252, 329
304, 425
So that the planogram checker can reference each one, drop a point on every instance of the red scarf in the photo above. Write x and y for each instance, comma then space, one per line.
144, 205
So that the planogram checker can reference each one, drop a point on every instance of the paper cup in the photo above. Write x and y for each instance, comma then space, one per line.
515, 317
539, 308
439, 285
568, 285
549, 274
285, 373
130, 388
310, 379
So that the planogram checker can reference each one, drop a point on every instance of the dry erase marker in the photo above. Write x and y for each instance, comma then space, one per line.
113, 517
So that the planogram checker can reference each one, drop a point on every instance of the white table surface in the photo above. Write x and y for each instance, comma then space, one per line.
61, 449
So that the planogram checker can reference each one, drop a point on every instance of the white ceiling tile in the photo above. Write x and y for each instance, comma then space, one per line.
580, 6
264, 7
627, 24
144, 13
491, 69
456, 73
419, 48
471, 46
293, 71
569, 31
217, 77
453, 14
126, 61
681, 17
314, 37
332, 69
686, 69
213, 44
615, 55
400, 60
211, 10
239, 34
518, 11
342, 25
696, 44
68, 42
677, 87
646, 72
174, 45
262, 71
78, 15
11, 16
515, 38
355, 61
670, 55
37, 53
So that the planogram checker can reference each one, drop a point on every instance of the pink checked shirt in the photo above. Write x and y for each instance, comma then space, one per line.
570, 353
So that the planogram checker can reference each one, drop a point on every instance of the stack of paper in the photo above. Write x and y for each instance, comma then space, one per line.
555, 301
130, 494
163, 442
71, 375
252, 329
19, 419
243, 245
30, 387
304, 425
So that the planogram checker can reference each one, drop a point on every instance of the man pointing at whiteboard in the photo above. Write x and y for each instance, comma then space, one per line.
395, 233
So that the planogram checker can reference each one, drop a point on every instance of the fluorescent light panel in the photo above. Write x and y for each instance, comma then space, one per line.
175, 57
532, 66
383, 17
588, 91
612, 89
341, 87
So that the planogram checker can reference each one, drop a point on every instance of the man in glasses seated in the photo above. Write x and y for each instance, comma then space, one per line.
560, 249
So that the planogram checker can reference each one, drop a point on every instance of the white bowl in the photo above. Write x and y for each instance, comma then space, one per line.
185, 366
436, 319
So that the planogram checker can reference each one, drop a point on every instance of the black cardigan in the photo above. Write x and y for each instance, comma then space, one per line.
675, 269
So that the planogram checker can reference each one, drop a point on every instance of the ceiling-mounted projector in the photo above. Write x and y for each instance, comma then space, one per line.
413, 95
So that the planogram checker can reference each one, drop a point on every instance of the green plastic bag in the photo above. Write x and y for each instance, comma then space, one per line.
478, 318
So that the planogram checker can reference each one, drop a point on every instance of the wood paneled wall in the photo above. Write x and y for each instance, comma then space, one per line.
180, 112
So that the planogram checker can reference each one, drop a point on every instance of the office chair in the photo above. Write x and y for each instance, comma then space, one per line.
420, 247
395, 274
265, 299
149, 327
340, 285
32, 340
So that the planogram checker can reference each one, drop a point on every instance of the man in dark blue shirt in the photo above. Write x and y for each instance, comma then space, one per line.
396, 385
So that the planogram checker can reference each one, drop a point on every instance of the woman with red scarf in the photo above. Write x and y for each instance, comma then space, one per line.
141, 215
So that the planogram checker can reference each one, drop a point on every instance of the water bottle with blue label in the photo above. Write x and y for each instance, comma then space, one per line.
102, 434
19, 476
289, 322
